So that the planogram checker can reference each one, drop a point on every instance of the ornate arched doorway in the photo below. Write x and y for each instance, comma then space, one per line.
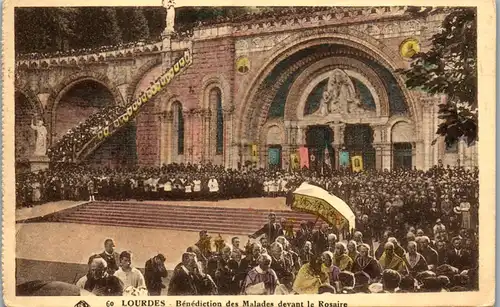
334, 84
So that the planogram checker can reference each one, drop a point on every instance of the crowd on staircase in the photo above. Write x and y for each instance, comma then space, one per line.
65, 149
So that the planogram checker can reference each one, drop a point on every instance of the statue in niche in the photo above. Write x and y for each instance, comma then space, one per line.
339, 96
41, 138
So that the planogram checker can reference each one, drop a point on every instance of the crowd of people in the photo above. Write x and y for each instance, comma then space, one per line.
64, 149
315, 260
310, 260
422, 196
410, 234
85, 51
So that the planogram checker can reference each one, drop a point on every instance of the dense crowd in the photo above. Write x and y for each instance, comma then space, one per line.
310, 260
72, 141
409, 236
423, 196
85, 51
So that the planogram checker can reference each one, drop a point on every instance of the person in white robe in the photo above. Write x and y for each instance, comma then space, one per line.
129, 275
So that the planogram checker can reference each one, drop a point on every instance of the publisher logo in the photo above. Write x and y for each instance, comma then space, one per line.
82, 304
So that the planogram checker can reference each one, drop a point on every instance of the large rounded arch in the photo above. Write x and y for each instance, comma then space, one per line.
365, 44
68, 84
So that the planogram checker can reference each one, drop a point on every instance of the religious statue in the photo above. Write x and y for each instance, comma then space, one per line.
339, 96
169, 5
41, 138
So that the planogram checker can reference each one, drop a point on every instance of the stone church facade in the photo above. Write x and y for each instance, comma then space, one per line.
325, 79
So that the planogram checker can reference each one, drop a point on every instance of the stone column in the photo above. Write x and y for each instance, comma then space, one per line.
228, 136
338, 141
386, 153
420, 155
169, 122
163, 140
286, 147
188, 136
378, 134
206, 135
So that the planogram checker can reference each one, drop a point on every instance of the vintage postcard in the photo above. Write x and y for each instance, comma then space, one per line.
284, 154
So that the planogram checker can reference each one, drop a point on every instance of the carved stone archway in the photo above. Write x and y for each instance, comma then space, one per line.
65, 85
342, 36
295, 105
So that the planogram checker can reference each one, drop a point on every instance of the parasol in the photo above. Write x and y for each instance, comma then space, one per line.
312, 199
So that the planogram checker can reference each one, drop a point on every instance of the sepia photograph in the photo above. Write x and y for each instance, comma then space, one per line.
248, 151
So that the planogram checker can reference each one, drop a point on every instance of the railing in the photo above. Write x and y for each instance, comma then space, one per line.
132, 109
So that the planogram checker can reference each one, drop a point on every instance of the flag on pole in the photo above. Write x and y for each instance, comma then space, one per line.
294, 161
357, 163
304, 157
255, 153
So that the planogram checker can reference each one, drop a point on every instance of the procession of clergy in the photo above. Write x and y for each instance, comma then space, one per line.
306, 262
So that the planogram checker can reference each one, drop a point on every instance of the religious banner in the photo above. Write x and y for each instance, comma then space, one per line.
294, 161
357, 163
344, 159
255, 153
274, 156
313, 157
133, 108
327, 157
304, 157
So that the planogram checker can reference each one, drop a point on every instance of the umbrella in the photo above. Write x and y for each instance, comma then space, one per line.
312, 199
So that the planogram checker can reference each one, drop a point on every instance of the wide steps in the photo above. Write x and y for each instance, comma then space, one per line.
180, 217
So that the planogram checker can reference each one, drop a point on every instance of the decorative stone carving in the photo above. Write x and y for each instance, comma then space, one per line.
241, 45
339, 96
373, 30
390, 29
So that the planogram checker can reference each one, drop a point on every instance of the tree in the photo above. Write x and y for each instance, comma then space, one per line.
156, 17
133, 23
43, 29
97, 26
450, 68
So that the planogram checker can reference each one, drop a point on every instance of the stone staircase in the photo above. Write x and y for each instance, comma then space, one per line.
180, 217
132, 108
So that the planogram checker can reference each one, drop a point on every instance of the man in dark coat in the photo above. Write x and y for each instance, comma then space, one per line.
365, 263
251, 260
281, 266
458, 257
154, 271
302, 235
430, 254
183, 280
239, 269
380, 249
271, 229
223, 274
320, 239
111, 257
